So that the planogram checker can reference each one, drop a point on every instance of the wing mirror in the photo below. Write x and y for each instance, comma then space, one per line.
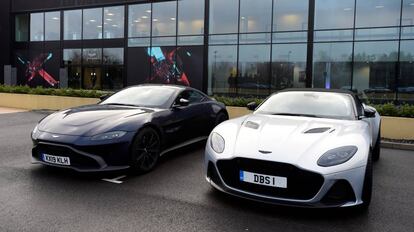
182, 102
369, 113
252, 106
104, 97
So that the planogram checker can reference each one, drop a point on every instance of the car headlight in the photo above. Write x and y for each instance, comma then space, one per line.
217, 143
109, 135
337, 156
35, 132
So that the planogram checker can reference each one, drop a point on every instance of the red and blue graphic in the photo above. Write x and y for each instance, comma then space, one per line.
35, 68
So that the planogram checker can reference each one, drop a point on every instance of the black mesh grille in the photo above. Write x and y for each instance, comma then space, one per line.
76, 159
301, 184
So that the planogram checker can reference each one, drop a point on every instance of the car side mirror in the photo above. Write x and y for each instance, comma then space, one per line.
104, 97
369, 113
252, 106
182, 102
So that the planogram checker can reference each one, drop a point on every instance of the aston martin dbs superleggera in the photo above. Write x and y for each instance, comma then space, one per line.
131, 128
300, 147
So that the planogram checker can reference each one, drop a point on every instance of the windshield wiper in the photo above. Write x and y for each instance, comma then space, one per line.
298, 115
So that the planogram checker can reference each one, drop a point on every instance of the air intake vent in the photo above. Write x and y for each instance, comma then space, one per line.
317, 130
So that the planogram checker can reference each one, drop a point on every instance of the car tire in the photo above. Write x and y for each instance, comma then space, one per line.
145, 150
367, 187
221, 117
377, 148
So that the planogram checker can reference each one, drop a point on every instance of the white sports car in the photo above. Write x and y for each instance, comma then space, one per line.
300, 147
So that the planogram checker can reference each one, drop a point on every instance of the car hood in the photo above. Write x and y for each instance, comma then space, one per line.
288, 139
92, 120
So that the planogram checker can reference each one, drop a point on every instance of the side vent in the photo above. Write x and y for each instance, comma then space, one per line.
317, 130
252, 125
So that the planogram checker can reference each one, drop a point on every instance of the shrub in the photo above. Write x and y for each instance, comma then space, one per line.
68, 92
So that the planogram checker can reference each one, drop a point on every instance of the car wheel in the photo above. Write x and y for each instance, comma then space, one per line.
377, 149
145, 150
367, 187
221, 117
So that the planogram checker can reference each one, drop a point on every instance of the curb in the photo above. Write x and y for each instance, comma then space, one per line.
400, 146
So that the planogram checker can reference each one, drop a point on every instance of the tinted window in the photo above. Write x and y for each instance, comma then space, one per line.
195, 97
331, 14
52, 26
327, 105
164, 18
139, 20
72, 25
148, 96
114, 22
254, 16
22, 28
377, 13
92, 23
36, 27
290, 15
190, 17
223, 16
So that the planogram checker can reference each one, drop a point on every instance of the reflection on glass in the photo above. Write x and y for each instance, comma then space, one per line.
254, 70
52, 26
406, 81
164, 41
290, 15
332, 65
21, 28
92, 56
36, 27
255, 38
408, 12
112, 78
223, 39
375, 69
224, 16
288, 66
72, 56
377, 13
290, 37
407, 33
190, 40
139, 42
336, 35
164, 19
92, 78
377, 34
114, 56
139, 20
191, 17
114, 22
72, 25
92, 23
333, 14
255, 17
222, 70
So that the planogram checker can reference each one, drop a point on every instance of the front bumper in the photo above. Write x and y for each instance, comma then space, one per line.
85, 155
341, 189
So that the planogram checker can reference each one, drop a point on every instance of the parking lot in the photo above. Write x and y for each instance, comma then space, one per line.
174, 197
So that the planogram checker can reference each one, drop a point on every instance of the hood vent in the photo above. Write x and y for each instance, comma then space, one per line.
317, 130
252, 125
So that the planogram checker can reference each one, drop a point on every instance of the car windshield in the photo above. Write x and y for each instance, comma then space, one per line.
309, 104
146, 96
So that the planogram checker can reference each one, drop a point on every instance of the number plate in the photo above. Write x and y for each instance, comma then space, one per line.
56, 159
260, 179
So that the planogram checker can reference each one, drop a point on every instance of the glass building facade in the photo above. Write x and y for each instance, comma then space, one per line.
231, 47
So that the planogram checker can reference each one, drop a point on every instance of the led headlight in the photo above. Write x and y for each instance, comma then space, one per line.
109, 135
217, 143
35, 132
337, 156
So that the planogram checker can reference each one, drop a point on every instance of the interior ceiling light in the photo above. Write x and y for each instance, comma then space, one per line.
155, 20
110, 14
148, 11
55, 18
144, 17
379, 7
92, 20
172, 19
347, 9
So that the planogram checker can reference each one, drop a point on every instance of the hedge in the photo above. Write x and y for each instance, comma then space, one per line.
388, 109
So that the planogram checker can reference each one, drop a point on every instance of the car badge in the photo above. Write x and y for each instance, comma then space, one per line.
265, 152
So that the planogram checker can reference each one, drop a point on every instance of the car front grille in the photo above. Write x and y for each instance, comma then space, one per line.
301, 184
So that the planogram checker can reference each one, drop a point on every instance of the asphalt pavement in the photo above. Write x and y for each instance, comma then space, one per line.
174, 197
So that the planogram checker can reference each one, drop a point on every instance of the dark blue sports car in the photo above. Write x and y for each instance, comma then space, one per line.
130, 129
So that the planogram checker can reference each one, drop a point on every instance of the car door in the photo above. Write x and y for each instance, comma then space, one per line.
184, 122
